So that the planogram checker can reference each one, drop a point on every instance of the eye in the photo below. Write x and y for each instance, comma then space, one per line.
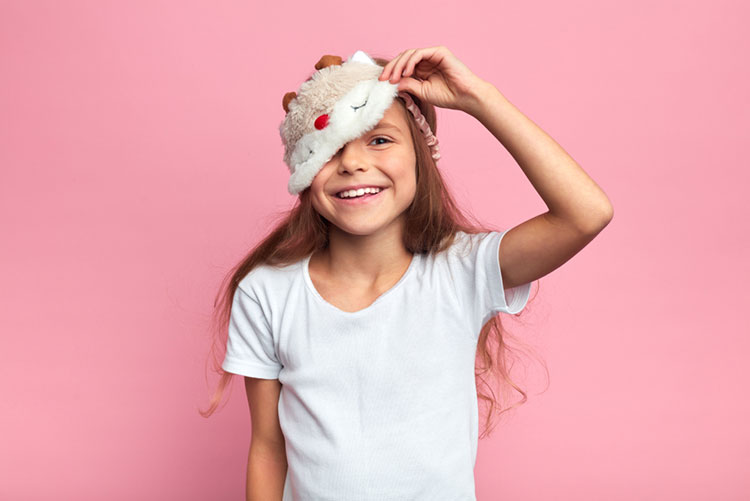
383, 138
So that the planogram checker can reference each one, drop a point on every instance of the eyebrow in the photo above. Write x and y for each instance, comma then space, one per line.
387, 125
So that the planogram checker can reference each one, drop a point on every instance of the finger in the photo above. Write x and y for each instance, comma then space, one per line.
412, 62
433, 57
399, 67
387, 69
410, 85
425, 54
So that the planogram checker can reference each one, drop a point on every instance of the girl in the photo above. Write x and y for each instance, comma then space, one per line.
356, 322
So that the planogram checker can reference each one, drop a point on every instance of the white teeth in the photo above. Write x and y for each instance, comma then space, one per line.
357, 193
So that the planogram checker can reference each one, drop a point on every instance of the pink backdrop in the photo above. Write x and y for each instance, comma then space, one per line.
140, 159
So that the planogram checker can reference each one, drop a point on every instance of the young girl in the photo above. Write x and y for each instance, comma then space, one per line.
356, 322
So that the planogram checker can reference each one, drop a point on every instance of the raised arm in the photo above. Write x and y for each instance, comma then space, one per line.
578, 208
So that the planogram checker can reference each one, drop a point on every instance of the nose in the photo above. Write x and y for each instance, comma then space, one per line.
352, 157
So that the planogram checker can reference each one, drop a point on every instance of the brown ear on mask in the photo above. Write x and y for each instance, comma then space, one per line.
327, 60
287, 98
324, 62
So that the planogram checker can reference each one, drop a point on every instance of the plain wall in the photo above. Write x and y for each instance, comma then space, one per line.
140, 159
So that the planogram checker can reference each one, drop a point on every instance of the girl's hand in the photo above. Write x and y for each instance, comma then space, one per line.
438, 78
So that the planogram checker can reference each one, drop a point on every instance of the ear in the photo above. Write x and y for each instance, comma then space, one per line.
323, 62
328, 60
287, 98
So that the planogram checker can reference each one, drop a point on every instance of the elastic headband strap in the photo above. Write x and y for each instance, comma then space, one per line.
429, 137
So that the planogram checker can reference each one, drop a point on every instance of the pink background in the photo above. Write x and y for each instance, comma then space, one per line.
140, 159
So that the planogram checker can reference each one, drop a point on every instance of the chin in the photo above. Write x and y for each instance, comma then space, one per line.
360, 231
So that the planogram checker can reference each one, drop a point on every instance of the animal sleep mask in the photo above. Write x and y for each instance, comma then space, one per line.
338, 103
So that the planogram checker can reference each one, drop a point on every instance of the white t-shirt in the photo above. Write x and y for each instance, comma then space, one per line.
378, 404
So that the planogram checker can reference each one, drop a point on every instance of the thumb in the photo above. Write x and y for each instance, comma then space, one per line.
411, 85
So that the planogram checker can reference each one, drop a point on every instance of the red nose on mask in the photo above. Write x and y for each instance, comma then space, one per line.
321, 122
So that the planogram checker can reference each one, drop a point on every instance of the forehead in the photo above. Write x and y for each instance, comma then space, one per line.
393, 119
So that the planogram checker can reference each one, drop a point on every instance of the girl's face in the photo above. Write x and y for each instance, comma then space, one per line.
383, 157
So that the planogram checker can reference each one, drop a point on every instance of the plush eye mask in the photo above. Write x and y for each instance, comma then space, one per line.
339, 103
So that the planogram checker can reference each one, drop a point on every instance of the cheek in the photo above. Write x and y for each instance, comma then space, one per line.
407, 173
317, 187
317, 205
322, 176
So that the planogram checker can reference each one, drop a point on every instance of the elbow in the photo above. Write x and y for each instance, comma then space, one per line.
589, 223
600, 222
608, 214
595, 220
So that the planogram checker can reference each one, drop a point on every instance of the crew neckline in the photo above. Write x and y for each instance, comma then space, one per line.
379, 299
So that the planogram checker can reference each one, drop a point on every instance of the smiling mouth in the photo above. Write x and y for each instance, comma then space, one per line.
361, 199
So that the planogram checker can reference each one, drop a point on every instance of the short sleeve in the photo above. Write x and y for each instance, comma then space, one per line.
481, 282
501, 300
250, 347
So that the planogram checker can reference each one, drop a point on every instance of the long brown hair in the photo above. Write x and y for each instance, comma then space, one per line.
432, 221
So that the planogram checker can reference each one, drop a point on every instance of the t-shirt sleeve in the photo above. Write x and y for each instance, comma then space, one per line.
502, 300
486, 293
250, 346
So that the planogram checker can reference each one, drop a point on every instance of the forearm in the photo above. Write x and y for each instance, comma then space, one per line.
569, 193
265, 476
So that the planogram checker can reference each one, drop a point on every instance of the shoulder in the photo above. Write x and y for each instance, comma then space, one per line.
465, 244
464, 252
265, 279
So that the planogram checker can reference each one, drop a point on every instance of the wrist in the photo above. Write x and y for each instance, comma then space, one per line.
478, 97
